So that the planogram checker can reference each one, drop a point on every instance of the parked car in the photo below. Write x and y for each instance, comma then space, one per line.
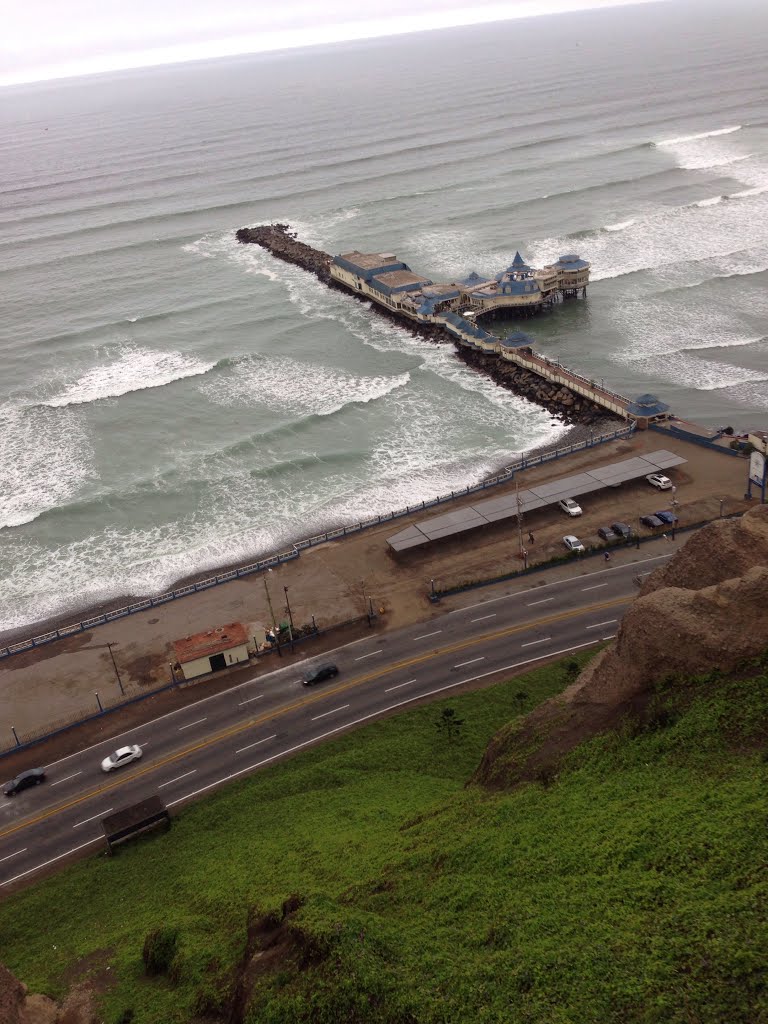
32, 777
622, 530
570, 506
121, 757
320, 674
607, 533
573, 543
659, 481
666, 517
651, 521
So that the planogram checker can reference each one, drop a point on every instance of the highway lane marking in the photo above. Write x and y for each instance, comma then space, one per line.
233, 730
178, 778
250, 699
13, 855
480, 619
425, 635
341, 647
58, 782
93, 818
190, 724
367, 718
595, 587
257, 743
544, 600
39, 867
611, 637
333, 712
534, 642
597, 625
399, 685
470, 662
370, 654
615, 569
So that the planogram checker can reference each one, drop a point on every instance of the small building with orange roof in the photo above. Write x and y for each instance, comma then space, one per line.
211, 651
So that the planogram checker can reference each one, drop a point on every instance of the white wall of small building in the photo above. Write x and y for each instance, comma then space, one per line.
202, 666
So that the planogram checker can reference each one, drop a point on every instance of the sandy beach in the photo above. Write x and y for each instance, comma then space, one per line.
333, 582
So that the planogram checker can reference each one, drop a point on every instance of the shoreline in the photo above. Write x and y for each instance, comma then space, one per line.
574, 434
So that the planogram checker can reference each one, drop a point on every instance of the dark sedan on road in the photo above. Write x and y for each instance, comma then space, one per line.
607, 533
622, 530
320, 674
651, 522
666, 517
33, 777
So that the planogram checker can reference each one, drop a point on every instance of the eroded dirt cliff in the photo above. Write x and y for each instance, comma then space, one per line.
705, 610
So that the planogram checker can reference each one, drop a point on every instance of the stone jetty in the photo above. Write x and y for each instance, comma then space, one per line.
558, 399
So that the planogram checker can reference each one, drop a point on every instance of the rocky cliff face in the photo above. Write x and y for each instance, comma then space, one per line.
706, 609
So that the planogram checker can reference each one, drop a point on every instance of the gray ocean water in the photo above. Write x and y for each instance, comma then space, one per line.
171, 401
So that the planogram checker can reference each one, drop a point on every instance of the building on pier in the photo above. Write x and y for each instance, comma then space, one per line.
520, 289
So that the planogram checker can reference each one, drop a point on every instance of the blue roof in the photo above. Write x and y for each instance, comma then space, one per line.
571, 262
517, 339
473, 278
647, 405
524, 287
518, 263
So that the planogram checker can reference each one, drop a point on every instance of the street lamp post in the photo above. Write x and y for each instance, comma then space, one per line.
13, 730
98, 700
114, 665
722, 502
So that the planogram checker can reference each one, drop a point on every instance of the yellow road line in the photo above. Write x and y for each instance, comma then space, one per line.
285, 709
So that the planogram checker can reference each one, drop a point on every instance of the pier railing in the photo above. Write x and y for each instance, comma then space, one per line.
502, 477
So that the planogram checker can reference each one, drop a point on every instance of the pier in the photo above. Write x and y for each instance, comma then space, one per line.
454, 310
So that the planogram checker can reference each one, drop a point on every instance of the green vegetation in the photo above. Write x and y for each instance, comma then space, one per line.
631, 890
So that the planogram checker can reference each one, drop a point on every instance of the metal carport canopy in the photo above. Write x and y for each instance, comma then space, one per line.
505, 506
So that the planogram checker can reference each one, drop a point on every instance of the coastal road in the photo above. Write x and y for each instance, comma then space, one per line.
191, 751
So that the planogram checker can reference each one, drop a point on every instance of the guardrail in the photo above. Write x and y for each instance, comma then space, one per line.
62, 725
504, 476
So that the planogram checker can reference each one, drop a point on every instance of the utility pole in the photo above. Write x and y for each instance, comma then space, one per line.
365, 601
272, 617
290, 617
519, 519
114, 664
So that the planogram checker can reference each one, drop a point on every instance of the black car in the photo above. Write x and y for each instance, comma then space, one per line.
666, 517
651, 521
607, 533
622, 530
320, 674
33, 777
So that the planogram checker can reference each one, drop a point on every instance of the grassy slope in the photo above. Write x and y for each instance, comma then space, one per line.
632, 889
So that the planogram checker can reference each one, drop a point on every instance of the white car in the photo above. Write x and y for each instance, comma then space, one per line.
573, 543
120, 757
659, 481
570, 506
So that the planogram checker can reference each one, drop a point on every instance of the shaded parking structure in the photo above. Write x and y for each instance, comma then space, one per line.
507, 506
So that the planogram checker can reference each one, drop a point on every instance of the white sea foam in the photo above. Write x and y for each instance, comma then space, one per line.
621, 225
710, 202
699, 135
288, 385
128, 368
46, 460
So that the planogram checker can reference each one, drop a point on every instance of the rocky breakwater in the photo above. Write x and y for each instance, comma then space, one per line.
557, 399
281, 241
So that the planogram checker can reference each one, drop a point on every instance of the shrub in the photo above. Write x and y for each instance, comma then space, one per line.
160, 950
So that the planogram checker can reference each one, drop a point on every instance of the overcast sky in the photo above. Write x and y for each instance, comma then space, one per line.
42, 39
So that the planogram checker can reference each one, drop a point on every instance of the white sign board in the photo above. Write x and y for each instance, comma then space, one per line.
757, 468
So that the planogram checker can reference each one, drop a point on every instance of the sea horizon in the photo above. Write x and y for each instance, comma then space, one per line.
172, 402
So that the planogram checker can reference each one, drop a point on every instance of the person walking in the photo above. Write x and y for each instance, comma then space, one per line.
607, 556
530, 538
